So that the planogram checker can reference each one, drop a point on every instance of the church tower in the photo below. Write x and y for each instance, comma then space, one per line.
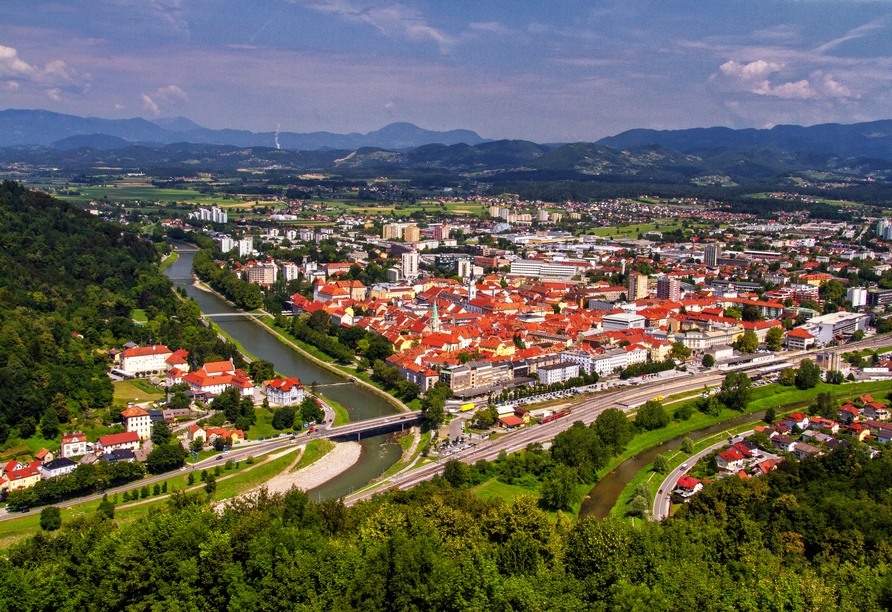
472, 288
435, 319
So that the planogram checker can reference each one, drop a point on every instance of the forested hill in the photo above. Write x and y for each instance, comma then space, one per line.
68, 285
812, 536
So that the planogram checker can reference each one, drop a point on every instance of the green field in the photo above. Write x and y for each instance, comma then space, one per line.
135, 390
313, 452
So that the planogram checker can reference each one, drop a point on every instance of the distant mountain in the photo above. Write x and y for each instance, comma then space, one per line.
872, 139
95, 141
39, 127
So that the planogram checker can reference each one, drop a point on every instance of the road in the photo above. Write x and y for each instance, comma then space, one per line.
587, 410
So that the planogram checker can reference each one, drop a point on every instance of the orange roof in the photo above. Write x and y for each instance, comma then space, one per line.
140, 351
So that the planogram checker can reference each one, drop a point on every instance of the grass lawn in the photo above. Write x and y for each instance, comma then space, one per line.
313, 452
263, 427
169, 260
139, 315
496, 489
135, 390
342, 417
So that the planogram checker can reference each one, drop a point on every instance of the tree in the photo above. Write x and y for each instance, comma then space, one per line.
808, 375
770, 415
687, 445
165, 458
455, 473
156, 490
708, 360
787, 377
210, 485
661, 464
261, 370
775, 338
49, 425
824, 406
835, 377
283, 418
560, 488
191, 479
748, 343
651, 416
310, 412
613, 428
735, 391
50, 518
106, 507
751, 314
679, 351
161, 433
638, 507
858, 335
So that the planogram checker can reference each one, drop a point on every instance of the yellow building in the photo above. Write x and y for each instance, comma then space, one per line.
411, 233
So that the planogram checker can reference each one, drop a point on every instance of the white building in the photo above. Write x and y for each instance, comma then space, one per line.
285, 391
227, 244
622, 321
557, 373
410, 264
57, 467
857, 296
245, 246
74, 444
290, 271
138, 420
145, 359
827, 327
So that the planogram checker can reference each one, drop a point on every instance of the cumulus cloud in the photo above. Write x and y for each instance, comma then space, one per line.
12, 85
53, 73
163, 97
394, 21
12, 65
751, 71
54, 94
800, 90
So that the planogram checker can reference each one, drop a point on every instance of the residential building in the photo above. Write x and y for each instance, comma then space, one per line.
558, 373
245, 246
857, 296
410, 263
636, 286
284, 391
799, 340
669, 289
137, 420
711, 255
262, 274
74, 444
129, 439
57, 467
392, 231
411, 233
290, 271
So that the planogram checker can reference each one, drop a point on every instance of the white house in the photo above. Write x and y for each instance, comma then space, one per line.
284, 391
57, 467
74, 444
138, 420
145, 359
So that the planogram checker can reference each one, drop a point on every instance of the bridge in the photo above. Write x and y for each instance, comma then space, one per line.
231, 314
374, 427
186, 250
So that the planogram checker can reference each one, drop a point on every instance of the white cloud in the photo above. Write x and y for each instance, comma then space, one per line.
12, 65
163, 97
149, 105
753, 70
394, 21
800, 90
54, 94
119, 107
12, 85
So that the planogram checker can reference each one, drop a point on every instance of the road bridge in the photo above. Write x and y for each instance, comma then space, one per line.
373, 427
231, 314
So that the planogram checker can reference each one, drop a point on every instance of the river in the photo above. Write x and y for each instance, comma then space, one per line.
606, 492
378, 452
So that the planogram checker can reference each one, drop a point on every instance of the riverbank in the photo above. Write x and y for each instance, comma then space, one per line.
342, 457
168, 261
331, 368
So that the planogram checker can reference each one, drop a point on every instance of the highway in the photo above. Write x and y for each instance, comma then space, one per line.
586, 410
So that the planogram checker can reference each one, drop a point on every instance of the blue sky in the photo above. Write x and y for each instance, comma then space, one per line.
555, 71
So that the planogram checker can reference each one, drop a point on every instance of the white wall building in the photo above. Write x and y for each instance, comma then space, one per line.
557, 373
622, 321
410, 264
145, 359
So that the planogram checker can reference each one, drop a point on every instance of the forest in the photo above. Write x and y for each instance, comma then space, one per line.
69, 285
813, 535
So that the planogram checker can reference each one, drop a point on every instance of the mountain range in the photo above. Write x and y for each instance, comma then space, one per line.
40, 127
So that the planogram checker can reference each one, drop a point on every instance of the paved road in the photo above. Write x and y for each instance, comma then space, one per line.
587, 410
662, 500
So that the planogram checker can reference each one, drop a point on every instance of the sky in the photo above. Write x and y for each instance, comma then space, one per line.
556, 71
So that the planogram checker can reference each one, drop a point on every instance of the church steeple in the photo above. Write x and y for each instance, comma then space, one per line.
435, 319
472, 288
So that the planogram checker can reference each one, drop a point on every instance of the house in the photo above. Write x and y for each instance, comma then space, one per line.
74, 444
784, 443
128, 439
511, 421
284, 391
730, 460
875, 410
743, 449
799, 340
43, 455
229, 435
20, 475
797, 419
822, 423
858, 430
763, 467
804, 450
688, 486
196, 432
123, 455
138, 420
57, 467
848, 413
